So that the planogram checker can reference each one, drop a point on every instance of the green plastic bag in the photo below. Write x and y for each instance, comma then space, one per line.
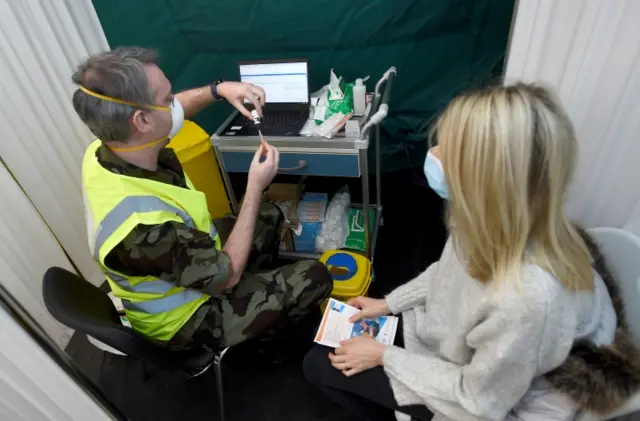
343, 104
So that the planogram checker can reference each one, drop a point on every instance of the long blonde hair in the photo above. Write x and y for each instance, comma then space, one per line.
508, 154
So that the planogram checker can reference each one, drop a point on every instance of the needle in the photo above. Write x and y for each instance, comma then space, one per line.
261, 138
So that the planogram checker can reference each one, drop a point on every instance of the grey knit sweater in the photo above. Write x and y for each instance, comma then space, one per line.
478, 352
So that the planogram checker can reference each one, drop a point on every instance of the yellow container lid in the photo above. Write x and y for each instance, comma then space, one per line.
351, 272
190, 142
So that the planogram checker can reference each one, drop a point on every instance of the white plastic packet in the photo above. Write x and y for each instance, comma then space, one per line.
332, 125
335, 91
335, 229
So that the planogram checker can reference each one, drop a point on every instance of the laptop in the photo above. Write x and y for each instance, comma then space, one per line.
286, 109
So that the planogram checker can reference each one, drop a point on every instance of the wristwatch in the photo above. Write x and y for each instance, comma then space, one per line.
214, 89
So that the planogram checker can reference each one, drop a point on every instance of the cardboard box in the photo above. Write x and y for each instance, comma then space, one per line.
311, 214
353, 126
286, 197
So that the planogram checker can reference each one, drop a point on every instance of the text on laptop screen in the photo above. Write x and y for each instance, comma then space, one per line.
282, 82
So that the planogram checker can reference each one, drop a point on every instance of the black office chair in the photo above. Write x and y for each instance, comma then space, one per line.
79, 305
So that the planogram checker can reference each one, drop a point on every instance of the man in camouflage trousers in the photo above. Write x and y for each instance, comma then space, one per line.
249, 296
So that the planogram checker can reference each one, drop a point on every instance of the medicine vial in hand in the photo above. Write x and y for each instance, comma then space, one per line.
255, 117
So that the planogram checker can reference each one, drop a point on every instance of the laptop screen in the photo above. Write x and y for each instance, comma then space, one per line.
286, 82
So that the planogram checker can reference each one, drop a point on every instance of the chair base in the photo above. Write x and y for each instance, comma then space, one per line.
217, 363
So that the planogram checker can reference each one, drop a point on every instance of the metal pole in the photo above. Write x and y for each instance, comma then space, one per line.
364, 168
226, 180
378, 171
217, 362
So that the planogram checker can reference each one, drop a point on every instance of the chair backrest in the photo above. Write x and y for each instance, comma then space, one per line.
621, 250
80, 305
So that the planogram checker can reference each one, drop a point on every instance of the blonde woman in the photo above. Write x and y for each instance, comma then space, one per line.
513, 291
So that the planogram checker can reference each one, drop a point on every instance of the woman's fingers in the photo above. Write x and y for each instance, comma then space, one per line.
340, 362
345, 364
337, 358
356, 317
357, 302
340, 365
354, 302
341, 350
352, 371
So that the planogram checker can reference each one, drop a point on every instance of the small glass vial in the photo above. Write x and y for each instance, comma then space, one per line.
255, 117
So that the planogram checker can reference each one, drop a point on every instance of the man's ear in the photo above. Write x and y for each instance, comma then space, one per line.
140, 122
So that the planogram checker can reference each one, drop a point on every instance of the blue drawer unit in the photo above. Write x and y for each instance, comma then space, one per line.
330, 165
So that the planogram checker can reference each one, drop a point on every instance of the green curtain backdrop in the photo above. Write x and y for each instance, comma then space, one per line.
440, 48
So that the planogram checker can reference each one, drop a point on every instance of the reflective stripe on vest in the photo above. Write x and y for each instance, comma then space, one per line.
138, 204
212, 231
157, 286
116, 217
163, 304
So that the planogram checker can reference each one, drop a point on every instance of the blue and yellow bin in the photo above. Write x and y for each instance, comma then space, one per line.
351, 274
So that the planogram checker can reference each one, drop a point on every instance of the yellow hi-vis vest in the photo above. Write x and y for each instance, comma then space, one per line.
114, 205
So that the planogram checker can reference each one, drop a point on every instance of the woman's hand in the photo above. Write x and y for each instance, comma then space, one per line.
369, 308
357, 355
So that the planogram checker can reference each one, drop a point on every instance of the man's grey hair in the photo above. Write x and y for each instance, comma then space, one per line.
119, 73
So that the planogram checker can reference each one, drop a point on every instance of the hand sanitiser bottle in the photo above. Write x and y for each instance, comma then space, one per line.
359, 93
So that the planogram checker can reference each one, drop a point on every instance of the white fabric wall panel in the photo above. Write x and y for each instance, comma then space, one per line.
27, 250
33, 387
590, 51
41, 42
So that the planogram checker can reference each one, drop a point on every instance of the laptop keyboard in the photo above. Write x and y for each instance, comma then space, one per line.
280, 122
282, 119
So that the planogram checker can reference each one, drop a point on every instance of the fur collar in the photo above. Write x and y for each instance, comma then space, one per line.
601, 379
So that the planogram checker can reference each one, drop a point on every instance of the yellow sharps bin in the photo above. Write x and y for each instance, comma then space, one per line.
351, 273
193, 148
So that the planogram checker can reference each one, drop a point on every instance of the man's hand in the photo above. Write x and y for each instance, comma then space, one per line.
237, 92
238, 245
261, 173
357, 355
369, 308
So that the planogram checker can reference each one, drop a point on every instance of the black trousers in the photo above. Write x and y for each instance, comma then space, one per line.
367, 395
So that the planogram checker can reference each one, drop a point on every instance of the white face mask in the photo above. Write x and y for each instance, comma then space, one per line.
435, 175
177, 117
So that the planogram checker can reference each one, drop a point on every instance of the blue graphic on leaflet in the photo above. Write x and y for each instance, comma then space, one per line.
337, 306
342, 266
368, 327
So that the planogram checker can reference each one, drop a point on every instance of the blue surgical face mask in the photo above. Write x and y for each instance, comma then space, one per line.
435, 175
